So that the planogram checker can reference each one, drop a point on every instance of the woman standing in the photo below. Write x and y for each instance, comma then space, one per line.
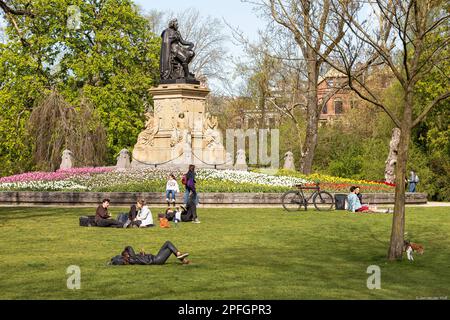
190, 185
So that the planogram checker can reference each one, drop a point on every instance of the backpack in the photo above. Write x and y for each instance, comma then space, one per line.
164, 223
184, 179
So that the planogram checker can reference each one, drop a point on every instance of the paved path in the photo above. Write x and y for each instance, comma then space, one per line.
430, 204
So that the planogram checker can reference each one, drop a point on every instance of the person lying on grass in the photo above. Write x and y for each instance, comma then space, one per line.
128, 256
354, 204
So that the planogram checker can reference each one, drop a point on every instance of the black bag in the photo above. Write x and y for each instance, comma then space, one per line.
339, 200
122, 217
87, 221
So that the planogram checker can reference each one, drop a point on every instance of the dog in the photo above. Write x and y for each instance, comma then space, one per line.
410, 247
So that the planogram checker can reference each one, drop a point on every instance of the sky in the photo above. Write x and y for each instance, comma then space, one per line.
236, 13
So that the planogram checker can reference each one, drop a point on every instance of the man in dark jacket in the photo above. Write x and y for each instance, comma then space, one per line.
128, 256
103, 218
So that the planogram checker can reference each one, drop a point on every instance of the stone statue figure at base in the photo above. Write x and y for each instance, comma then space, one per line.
67, 160
147, 136
176, 54
210, 131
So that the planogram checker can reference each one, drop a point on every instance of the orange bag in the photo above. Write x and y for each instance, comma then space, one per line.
164, 223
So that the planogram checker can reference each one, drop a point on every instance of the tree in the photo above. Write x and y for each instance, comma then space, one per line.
109, 59
410, 37
55, 125
308, 22
11, 12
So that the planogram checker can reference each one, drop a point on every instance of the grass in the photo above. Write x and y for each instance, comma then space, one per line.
235, 254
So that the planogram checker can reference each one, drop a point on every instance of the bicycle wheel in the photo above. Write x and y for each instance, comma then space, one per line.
323, 201
292, 201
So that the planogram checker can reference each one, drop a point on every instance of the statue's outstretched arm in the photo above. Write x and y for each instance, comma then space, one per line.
186, 43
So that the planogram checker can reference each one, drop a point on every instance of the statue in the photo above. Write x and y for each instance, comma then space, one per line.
241, 161
147, 136
180, 129
176, 54
212, 135
289, 161
123, 160
391, 161
67, 160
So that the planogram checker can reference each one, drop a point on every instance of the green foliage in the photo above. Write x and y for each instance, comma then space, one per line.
111, 60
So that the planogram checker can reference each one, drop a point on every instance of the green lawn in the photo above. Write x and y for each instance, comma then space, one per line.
235, 254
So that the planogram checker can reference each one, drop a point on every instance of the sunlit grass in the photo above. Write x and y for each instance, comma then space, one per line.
235, 253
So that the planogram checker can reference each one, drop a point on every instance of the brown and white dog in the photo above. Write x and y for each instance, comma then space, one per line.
410, 247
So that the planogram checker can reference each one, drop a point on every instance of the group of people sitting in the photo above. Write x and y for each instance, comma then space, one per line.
140, 215
354, 200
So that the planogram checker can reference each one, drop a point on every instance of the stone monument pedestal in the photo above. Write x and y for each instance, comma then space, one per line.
180, 132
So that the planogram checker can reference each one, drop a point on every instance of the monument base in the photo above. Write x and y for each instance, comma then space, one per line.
180, 132
180, 81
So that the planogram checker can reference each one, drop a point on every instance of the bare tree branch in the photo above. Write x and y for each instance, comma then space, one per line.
427, 109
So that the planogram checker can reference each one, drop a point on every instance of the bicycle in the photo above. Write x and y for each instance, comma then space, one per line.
295, 200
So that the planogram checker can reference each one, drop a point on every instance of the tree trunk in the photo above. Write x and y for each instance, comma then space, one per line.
398, 223
391, 161
312, 116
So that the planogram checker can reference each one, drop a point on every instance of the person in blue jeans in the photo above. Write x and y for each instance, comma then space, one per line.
190, 186
171, 190
413, 181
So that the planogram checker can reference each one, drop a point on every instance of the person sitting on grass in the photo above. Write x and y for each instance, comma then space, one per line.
171, 190
354, 204
143, 218
358, 194
129, 257
103, 218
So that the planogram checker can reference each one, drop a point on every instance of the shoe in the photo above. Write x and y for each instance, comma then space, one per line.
126, 224
196, 221
186, 261
182, 256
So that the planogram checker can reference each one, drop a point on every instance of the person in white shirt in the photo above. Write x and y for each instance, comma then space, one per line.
171, 190
143, 218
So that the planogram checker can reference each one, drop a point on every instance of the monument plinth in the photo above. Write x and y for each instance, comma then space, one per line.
180, 132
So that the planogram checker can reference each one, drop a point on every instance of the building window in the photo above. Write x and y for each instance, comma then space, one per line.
338, 109
325, 109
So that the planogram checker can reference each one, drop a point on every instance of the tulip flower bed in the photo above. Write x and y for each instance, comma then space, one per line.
107, 179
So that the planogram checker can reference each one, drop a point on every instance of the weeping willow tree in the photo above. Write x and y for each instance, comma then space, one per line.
55, 125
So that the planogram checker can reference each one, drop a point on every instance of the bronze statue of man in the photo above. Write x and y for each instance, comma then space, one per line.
176, 54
